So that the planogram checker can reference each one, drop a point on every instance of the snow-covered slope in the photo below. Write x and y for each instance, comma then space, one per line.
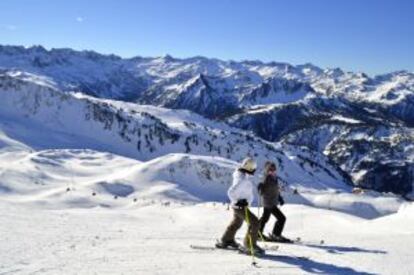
375, 149
156, 239
67, 178
144, 132
40, 123
277, 101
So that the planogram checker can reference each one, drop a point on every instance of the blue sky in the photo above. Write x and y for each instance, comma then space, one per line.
374, 36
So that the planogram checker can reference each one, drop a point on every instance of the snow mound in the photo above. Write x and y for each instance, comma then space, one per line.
184, 177
73, 178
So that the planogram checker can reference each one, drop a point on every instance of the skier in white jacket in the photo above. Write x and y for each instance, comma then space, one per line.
241, 194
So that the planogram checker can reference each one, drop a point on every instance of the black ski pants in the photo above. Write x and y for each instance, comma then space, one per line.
280, 220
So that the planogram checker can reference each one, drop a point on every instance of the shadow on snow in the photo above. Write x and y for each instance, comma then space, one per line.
335, 249
311, 266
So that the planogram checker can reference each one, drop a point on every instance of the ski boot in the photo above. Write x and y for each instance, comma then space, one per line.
257, 250
264, 238
227, 244
279, 239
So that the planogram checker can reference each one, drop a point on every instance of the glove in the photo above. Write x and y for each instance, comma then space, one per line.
242, 203
281, 201
260, 188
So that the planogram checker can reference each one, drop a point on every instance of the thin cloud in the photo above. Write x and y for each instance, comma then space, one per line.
80, 19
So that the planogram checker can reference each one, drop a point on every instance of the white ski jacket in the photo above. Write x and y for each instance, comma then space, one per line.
241, 188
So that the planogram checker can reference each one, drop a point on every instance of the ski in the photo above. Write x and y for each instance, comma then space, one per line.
202, 247
242, 251
297, 240
246, 251
304, 242
210, 248
269, 239
282, 242
270, 247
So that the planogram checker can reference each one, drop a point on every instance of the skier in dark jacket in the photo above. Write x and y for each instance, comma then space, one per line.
269, 191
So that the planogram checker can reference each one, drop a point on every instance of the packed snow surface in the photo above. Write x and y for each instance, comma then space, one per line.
156, 239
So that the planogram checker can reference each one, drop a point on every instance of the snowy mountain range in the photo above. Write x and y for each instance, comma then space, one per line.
322, 125
111, 165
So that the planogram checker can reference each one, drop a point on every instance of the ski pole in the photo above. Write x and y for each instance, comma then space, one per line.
261, 236
246, 211
258, 216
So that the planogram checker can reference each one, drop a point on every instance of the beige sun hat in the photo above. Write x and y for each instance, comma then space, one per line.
249, 165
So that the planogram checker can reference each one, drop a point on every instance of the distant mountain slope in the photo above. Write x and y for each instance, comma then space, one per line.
66, 120
362, 124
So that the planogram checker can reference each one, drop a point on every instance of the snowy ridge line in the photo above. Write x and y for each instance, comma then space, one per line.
149, 133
